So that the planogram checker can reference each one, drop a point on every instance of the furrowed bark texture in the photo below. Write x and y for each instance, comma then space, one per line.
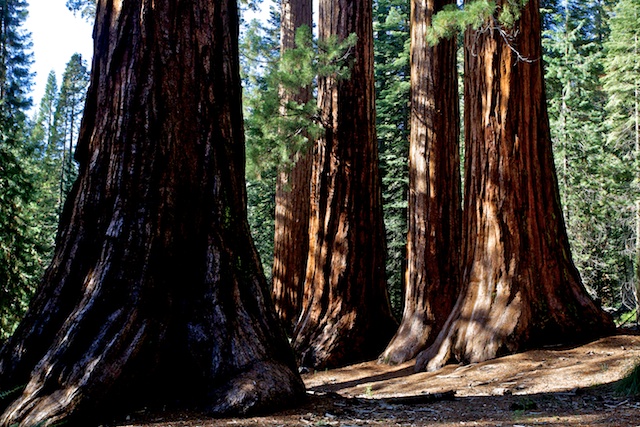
520, 286
346, 316
155, 294
291, 240
435, 224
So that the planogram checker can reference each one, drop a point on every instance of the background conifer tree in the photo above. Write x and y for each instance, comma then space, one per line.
622, 84
589, 167
19, 266
68, 116
391, 51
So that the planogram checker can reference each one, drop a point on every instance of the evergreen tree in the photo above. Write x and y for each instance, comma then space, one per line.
622, 84
391, 50
86, 8
45, 139
588, 167
291, 237
259, 50
346, 315
18, 262
155, 288
520, 288
435, 226
68, 115
44, 130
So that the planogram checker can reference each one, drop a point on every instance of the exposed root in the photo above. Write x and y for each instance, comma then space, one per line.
265, 386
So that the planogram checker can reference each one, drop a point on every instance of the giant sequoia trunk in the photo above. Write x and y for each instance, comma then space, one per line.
433, 244
346, 315
520, 287
291, 240
155, 293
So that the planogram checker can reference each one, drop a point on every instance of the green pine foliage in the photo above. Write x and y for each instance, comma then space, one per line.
67, 119
622, 85
45, 137
591, 176
86, 8
475, 15
593, 90
275, 132
260, 51
622, 81
391, 50
19, 263
36, 168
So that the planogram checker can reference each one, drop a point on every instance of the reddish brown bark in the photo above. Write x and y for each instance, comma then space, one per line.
291, 240
346, 316
520, 286
433, 244
155, 294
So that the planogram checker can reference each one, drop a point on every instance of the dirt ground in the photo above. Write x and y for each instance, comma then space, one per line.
549, 387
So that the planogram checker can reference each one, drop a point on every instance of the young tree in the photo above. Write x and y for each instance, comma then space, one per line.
291, 238
520, 288
346, 315
155, 293
433, 249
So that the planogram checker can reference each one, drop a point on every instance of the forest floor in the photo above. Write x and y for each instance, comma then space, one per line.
551, 387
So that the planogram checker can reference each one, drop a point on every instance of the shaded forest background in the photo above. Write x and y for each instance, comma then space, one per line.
593, 92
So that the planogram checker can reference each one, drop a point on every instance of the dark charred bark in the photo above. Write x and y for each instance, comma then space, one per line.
520, 286
435, 227
291, 240
155, 294
346, 316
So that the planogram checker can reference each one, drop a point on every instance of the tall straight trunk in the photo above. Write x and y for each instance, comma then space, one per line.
433, 243
155, 294
346, 316
291, 240
520, 286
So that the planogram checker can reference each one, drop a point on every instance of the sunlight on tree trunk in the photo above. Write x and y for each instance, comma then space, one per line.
291, 240
155, 295
433, 249
346, 316
520, 288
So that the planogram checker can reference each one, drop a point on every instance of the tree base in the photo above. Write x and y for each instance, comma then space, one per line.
265, 387
411, 338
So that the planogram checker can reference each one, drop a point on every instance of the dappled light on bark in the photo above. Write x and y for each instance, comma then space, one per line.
291, 240
520, 288
433, 248
346, 315
155, 295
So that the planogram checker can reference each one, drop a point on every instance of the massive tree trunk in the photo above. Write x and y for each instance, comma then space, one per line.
291, 240
346, 316
155, 294
520, 286
433, 244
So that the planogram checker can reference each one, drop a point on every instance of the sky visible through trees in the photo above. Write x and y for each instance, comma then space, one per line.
591, 112
583, 102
